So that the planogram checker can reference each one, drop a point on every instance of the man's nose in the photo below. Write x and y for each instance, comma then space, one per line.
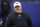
18, 8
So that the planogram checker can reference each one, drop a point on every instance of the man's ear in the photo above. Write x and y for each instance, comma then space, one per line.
21, 7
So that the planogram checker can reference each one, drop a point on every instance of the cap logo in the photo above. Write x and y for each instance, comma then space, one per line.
16, 3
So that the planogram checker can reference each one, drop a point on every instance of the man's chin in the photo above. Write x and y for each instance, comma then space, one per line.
18, 11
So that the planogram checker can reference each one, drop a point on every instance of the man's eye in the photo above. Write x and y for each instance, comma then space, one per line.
15, 7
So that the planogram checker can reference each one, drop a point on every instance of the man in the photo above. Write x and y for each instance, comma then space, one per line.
18, 18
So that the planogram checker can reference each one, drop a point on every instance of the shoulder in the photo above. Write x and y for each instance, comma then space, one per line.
26, 13
10, 15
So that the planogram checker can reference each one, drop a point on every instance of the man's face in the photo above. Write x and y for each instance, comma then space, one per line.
17, 8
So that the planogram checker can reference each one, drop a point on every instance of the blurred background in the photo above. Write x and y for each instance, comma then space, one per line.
30, 6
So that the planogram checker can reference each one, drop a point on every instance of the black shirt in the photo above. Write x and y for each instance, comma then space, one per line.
14, 21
